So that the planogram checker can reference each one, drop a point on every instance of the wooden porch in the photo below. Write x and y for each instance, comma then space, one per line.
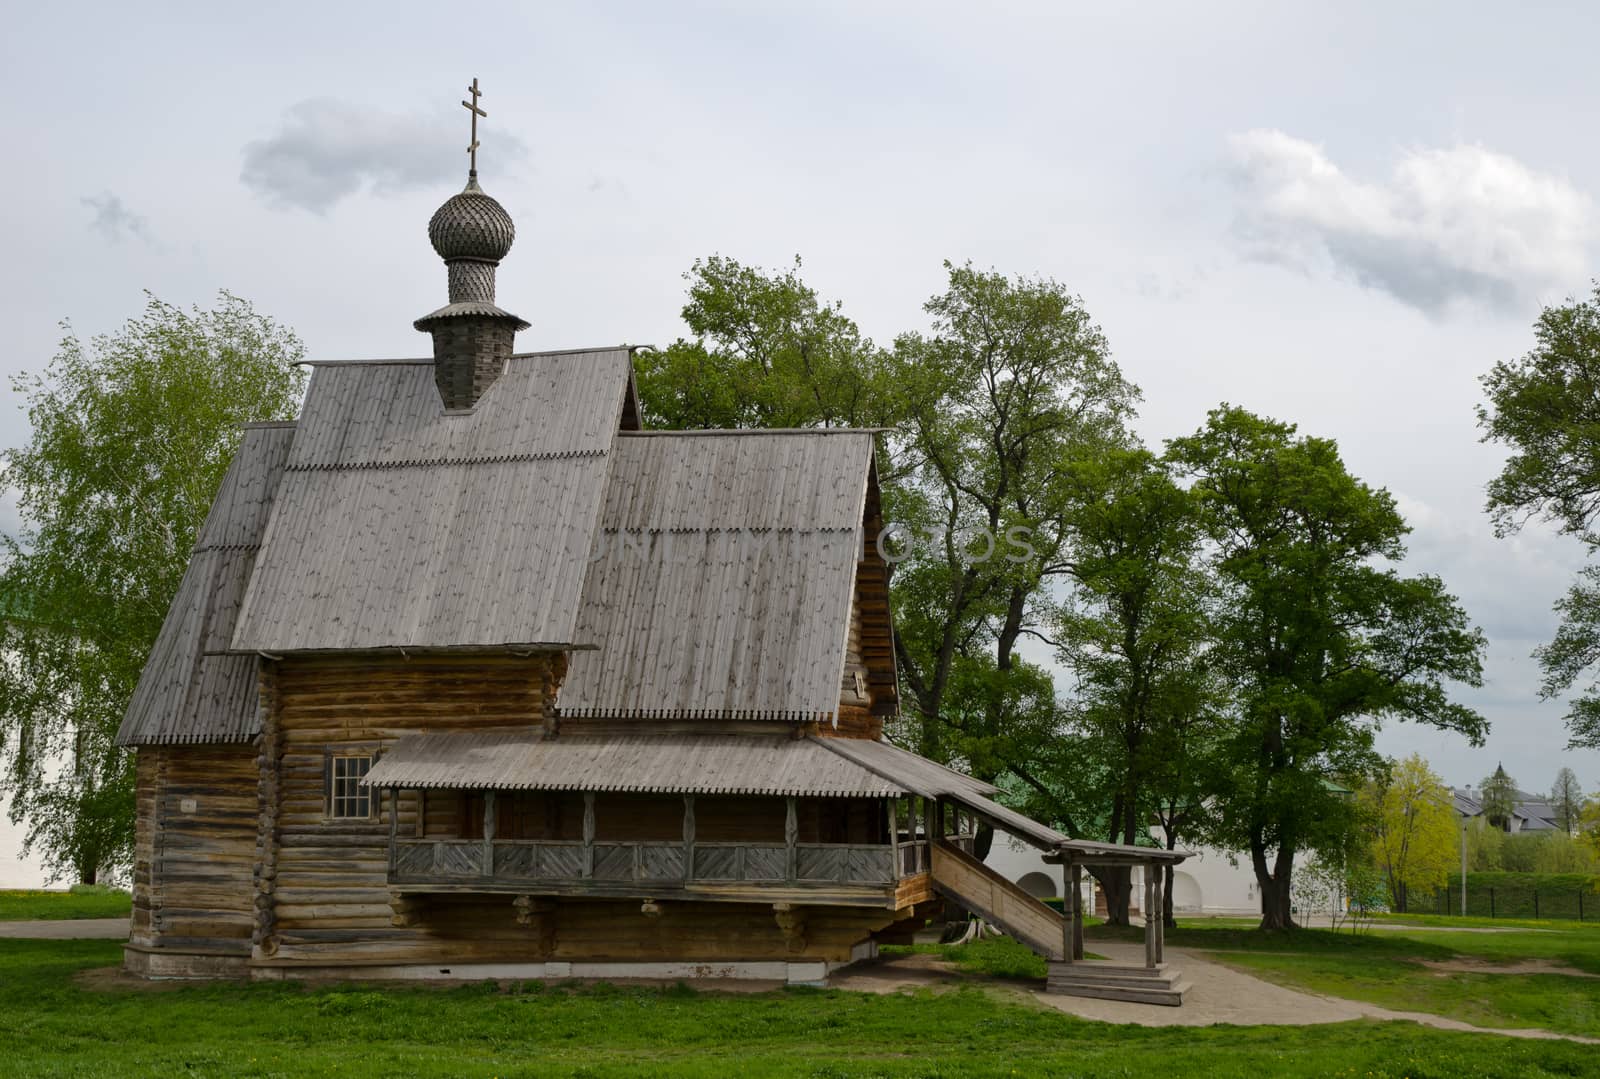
893, 873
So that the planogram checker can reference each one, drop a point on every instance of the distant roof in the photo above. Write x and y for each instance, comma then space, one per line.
722, 576
190, 691
403, 525
639, 763
1534, 810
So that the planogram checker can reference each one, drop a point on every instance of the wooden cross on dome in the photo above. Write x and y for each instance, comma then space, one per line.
472, 107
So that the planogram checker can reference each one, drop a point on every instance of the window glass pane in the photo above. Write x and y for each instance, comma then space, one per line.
347, 798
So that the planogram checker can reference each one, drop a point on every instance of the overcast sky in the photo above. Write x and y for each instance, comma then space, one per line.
1338, 215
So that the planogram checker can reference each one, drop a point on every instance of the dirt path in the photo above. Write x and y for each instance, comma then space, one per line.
1219, 995
1224, 995
67, 929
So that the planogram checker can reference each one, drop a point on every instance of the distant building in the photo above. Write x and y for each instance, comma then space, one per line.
1530, 812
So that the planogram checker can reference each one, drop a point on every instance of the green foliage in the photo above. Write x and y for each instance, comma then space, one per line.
1510, 894
1499, 798
1318, 638
1546, 408
1012, 385
81, 901
767, 352
1135, 632
1415, 833
131, 434
1566, 798
53, 1024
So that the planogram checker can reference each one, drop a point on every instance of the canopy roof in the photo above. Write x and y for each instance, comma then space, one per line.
640, 763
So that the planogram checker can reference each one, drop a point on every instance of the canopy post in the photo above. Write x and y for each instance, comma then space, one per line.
1161, 912
1068, 872
1077, 911
1149, 923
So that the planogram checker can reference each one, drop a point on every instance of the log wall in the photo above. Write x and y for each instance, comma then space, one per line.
194, 851
322, 893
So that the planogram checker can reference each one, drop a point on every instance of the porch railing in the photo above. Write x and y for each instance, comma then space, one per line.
569, 861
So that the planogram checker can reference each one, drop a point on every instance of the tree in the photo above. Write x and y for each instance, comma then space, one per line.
767, 352
131, 434
1012, 385
1589, 826
1499, 799
1566, 798
1546, 408
1319, 640
1134, 634
1414, 829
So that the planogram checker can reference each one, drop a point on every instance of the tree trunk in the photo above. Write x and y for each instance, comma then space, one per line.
982, 841
1168, 919
1276, 904
87, 874
1116, 883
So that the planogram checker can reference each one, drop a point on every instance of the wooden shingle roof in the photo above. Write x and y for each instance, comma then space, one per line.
402, 525
191, 691
721, 578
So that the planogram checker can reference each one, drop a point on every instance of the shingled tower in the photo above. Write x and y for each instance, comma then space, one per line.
472, 338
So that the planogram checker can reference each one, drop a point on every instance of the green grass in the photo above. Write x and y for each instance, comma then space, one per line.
993, 957
50, 1025
81, 902
1386, 967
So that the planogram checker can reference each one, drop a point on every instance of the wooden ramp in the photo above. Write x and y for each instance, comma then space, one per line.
980, 889
975, 886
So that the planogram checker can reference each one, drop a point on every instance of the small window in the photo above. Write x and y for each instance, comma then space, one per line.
347, 798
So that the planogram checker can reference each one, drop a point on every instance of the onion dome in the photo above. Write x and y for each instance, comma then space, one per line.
471, 225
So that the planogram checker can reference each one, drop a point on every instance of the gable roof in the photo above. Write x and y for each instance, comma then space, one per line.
722, 575
189, 690
402, 525
713, 571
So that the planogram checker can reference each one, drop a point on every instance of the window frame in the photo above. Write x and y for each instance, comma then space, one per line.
333, 799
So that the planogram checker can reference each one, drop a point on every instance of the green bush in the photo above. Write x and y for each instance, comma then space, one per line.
1517, 895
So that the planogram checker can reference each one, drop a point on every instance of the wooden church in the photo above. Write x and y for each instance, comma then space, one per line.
471, 676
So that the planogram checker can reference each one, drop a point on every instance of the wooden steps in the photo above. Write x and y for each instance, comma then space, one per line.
1113, 981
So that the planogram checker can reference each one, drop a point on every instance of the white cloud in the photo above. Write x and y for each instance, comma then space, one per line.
113, 219
1457, 224
328, 149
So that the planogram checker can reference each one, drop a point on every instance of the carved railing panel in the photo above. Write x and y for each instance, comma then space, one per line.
613, 861
661, 862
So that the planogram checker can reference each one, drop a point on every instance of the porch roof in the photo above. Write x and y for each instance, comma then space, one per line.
642, 763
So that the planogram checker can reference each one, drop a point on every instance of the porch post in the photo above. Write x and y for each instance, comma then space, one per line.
1149, 927
488, 833
394, 824
588, 833
791, 833
1077, 911
688, 837
892, 806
